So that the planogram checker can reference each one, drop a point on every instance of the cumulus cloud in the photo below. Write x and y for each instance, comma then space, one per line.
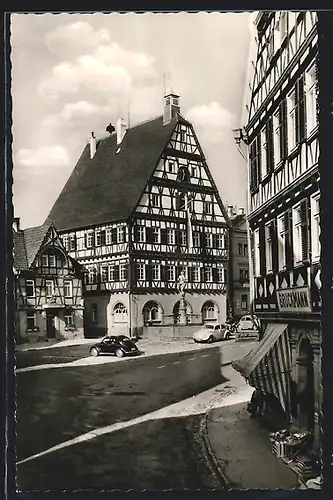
74, 37
211, 115
76, 111
42, 157
94, 63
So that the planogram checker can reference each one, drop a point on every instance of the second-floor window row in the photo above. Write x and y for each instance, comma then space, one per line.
170, 273
178, 237
107, 273
290, 240
95, 238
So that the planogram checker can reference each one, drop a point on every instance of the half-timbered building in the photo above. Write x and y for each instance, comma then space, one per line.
139, 209
48, 286
283, 214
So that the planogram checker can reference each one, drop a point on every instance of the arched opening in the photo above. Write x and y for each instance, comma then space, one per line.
120, 313
175, 312
152, 314
209, 311
305, 386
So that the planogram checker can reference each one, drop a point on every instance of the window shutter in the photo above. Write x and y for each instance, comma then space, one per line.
177, 239
284, 129
202, 274
190, 273
85, 240
136, 233
288, 239
300, 110
226, 274
116, 273
273, 234
214, 240
149, 234
258, 178
164, 236
126, 272
305, 231
252, 156
103, 237
214, 275
135, 273
165, 274
270, 146
114, 235
262, 250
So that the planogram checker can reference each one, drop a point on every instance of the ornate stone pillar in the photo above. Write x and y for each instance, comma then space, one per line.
182, 312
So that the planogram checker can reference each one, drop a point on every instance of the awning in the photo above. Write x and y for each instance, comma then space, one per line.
268, 366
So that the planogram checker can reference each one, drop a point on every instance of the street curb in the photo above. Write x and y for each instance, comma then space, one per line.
210, 452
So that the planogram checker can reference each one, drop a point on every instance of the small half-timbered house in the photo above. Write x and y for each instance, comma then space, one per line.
48, 286
139, 209
284, 215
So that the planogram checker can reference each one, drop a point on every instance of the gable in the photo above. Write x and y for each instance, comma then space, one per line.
182, 158
107, 187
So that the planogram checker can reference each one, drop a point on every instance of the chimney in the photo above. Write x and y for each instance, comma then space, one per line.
230, 211
171, 107
16, 224
241, 211
121, 130
92, 145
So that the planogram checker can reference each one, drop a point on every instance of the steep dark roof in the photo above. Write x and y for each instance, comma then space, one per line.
26, 245
19, 252
238, 221
108, 186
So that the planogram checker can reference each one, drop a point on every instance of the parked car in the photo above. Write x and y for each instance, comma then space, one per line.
247, 323
120, 345
211, 332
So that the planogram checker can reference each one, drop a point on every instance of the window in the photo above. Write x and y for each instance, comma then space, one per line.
311, 98
156, 235
111, 273
245, 248
196, 239
220, 241
65, 241
181, 201
104, 273
270, 46
89, 239
296, 115
263, 142
269, 247
240, 248
244, 306
182, 136
209, 311
171, 273
68, 288
209, 239
277, 130
108, 236
183, 238
315, 228
100, 237
141, 274
30, 288
256, 252
155, 200
52, 260
208, 275
171, 166
151, 313
255, 163
141, 234
183, 270
196, 273
68, 317
175, 101
292, 119
49, 288
120, 313
220, 275
207, 207
94, 314
31, 320
72, 242
193, 170
45, 260
156, 272
244, 275
282, 241
120, 234
300, 232
123, 272
171, 236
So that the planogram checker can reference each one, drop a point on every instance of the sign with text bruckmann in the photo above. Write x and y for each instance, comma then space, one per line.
294, 300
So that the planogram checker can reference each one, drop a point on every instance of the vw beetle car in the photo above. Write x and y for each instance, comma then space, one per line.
247, 323
120, 345
211, 333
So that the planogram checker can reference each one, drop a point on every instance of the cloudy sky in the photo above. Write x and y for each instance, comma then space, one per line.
74, 74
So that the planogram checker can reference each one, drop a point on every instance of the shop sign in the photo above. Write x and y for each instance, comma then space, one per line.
294, 300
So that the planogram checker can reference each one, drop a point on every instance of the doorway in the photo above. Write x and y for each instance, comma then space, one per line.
305, 386
50, 326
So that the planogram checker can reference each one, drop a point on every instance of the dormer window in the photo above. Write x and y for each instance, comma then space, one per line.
52, 260
45, 260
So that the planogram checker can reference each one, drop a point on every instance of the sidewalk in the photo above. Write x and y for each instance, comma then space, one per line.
241, 451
